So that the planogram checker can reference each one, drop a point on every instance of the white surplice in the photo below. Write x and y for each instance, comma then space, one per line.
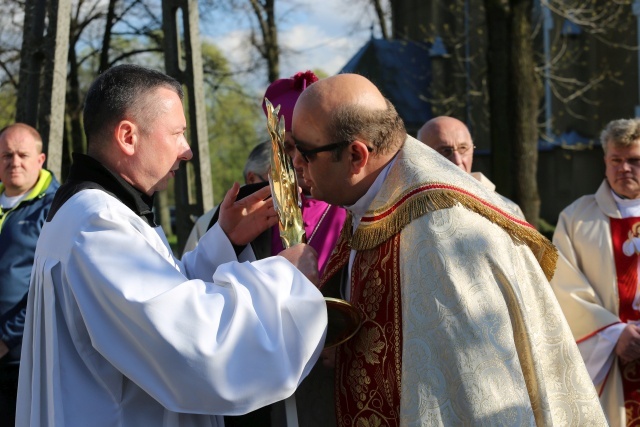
120, 333
586, 285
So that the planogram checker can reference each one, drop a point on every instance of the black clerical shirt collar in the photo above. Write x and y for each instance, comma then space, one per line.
88, 173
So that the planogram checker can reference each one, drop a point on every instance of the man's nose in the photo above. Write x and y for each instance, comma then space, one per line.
187, 154
298, 161
456, 158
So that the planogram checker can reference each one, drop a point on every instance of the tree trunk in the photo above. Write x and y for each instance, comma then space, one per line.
381, 19
163, 213
31, 60
272, 48
500, 111
526, 100
106, 39
268, 48
514, 98
74, 100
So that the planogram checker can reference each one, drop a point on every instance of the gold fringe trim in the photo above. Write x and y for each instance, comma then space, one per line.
370, 235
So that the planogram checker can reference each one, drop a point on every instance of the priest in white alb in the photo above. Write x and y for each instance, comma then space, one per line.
597, 277
118, 331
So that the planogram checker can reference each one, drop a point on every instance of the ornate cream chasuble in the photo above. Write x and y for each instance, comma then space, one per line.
461, 325
625, 236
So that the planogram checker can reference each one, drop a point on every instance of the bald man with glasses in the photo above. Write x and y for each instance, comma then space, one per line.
451, 139
460, 325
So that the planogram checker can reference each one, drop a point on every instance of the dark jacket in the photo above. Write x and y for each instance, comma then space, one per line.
19, 231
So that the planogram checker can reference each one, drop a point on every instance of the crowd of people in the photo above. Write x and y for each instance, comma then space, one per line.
469, 316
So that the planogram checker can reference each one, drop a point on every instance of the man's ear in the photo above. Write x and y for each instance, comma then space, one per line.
359, 156
126, 135
251, 178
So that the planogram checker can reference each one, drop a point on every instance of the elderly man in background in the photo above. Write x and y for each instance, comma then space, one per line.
26, 192
451, 138
597, 277
460, 325
118, 332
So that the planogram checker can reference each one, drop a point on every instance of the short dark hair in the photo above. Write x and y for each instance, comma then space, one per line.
120, 91
383, 129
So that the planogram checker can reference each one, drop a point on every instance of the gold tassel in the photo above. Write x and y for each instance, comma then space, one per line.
370, 235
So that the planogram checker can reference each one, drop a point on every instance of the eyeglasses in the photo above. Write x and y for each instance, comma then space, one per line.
448, 151
309, 155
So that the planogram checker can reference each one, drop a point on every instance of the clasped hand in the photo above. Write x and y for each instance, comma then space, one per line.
628, 346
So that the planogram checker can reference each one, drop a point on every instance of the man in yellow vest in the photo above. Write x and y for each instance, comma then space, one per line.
26, 193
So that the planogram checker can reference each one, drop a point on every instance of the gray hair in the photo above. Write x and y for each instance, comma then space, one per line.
622, 132
259, 160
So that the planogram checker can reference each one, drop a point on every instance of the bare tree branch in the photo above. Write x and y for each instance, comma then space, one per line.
131, 53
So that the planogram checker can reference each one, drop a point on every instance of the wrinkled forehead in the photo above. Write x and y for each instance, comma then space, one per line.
623, 149
452, 138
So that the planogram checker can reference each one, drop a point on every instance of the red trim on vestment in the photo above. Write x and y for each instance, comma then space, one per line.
596, 332
604, 383
429, 187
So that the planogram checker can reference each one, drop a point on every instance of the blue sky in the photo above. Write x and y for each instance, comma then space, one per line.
322, 34
314, 34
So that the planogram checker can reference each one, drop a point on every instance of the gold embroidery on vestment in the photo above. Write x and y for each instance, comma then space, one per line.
373, 233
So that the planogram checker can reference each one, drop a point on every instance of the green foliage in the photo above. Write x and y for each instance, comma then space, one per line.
233, 119
234, 114
546, 228
320, 73
173, 243
7, 105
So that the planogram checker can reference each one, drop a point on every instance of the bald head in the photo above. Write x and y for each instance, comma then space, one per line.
345, 133
25, 131
451, 138
343, 90
346, 107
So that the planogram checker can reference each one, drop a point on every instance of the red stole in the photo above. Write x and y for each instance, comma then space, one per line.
627, 267
369, 365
